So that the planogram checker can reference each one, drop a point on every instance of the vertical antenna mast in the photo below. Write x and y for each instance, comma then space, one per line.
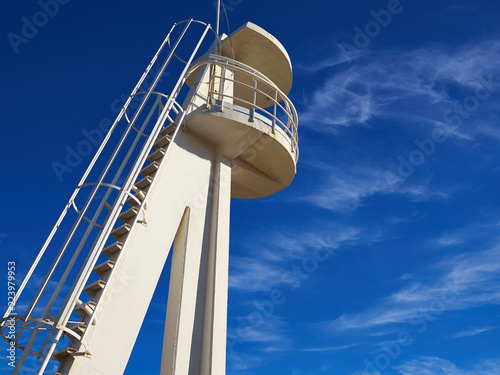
218, 18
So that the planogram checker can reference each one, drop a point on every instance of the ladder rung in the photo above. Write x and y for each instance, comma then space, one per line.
150, 169
120, 231
102, 268
131, 212
78, 328
140, 196
94, 287
61, 354
168, 129
85, 309
158, 154
145, 182
163, 142
113, 248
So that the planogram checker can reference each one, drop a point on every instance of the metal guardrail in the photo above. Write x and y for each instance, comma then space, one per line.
281, 112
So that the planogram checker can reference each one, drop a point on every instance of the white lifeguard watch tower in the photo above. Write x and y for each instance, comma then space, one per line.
163, 175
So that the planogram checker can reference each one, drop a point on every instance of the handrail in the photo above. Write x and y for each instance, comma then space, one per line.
279, 97
217, 37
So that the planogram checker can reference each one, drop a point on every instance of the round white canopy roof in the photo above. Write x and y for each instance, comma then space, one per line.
255, 47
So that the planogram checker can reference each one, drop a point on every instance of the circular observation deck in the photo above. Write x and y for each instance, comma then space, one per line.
239, 104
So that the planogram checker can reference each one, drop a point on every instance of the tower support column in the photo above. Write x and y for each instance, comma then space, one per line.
196, 322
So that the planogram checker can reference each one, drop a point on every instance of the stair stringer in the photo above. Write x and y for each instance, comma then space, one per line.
182, 181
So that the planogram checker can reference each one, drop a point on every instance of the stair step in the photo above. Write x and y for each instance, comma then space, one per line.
113, 248
120, 231
102, 268
139, 195
168, 129
78, 328
130, 213
145, 182
150, 169
161, 143
94, 287
63, 353
158, 154
87, 308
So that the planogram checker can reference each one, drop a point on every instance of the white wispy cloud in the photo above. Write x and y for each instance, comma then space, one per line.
269, 258
460, 282
271, 334
329, 348
335, 59
474, 331
297, 245
251, 274
439, 366
487, 229
243, 361
346, 189
409, 86
270, 255
374, 372
405, 90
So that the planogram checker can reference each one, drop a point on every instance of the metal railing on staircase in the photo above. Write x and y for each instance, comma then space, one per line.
48, 320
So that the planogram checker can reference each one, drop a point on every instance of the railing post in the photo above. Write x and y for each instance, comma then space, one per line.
221, 88
274, 114
252, 111
210, 77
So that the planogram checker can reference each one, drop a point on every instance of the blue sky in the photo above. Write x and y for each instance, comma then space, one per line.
383, 255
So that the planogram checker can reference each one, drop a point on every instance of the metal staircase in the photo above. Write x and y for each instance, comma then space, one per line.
53, 329
128, 218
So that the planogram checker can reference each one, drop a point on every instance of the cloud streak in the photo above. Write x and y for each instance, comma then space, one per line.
467, 280
408, 86
474, 331
271, 255
346, 189
439, 366
329, 348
